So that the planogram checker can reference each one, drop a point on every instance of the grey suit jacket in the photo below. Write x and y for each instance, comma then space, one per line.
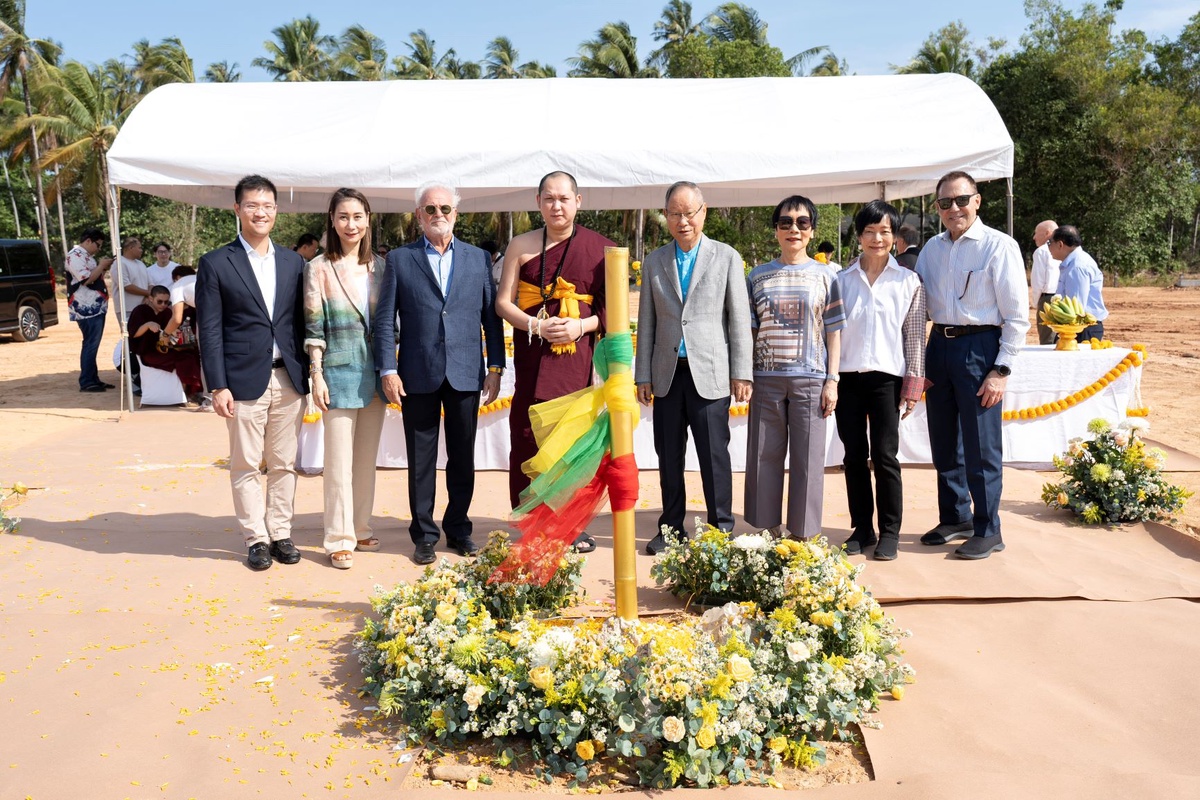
715, 321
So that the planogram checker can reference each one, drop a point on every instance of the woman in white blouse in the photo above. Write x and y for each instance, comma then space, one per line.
883, 369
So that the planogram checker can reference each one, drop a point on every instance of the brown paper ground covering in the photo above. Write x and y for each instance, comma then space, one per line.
125, 595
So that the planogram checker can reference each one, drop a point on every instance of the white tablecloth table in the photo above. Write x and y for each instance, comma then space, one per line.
1040, 375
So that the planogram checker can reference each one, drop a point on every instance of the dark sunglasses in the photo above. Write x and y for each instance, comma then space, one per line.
961, 201
801, 223
431, 210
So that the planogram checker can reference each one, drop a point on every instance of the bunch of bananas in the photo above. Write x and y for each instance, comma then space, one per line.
1059, 310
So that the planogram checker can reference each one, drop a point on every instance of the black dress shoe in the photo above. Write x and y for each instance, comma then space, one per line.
424, 553
464, 547
660, 542
284, 551
259, 557
107, 385
945, 533
95, 387
859, 542
978, 547
887, 549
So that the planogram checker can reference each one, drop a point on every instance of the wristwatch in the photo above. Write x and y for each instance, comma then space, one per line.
833, 376
496, 370
1002, 370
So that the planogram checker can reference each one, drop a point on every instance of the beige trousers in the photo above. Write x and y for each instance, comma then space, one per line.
265, 429
351, 446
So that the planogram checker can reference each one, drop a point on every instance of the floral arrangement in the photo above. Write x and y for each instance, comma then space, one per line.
723, 698
715, 566
635, 273
9, 524
1113, 477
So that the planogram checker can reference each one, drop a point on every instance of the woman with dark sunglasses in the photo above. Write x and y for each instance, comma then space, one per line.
797, 316
146, 324
883, 368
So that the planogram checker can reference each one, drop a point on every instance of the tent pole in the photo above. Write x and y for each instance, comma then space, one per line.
119, 286
639, 248
1009, 203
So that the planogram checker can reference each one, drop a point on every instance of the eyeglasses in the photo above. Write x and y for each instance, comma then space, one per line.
961, 201
680, 216
253, 208
432, 209
801, 223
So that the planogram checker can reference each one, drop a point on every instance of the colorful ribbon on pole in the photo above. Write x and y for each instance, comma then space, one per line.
573, 470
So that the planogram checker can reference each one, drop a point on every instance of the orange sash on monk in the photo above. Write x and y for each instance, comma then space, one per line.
529, 296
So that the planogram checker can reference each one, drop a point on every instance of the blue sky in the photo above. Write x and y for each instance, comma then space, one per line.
870, 35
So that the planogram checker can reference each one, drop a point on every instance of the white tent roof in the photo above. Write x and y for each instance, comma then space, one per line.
747, 142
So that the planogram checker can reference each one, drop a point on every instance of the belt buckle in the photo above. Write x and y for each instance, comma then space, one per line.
946, 331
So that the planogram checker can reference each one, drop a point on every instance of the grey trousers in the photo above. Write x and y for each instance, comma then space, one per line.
785, 418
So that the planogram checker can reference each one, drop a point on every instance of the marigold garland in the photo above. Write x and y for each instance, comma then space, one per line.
1135, 359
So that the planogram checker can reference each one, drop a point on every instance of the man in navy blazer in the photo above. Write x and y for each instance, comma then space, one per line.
250, 310
442, 289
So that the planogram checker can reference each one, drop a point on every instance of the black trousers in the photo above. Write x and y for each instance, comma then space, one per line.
676, 411
422, 415
868, 423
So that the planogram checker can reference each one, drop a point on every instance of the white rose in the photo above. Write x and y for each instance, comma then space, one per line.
752, 541
673, 729
474, 696
797, 652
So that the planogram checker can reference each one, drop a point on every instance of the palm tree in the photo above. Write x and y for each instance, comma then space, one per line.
799, 62
501, 59
222, 72
612, 54
121, 81
735, 22
85, 118
170, 63
462, 70
300, 52
936, 57
676, 26
534, 69
422, 61
361, 56
20, 59
830, 67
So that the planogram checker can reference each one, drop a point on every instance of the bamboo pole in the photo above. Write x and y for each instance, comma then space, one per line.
616, 283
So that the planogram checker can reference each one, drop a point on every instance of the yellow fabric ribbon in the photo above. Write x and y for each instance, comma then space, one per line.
557, 424
530, 296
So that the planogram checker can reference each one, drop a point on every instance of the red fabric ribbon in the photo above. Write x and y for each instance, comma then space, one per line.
546, 534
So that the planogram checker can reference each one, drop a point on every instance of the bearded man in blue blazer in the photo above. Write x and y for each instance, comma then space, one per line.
250, 309
441, 288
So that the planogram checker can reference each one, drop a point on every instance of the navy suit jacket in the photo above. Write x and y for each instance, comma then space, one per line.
236, 333
439, 338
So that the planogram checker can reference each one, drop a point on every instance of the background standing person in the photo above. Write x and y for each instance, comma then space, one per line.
135, 286
883, 369
87, 299
1080, 276
693, 351
552, 293
341, 293
159, 273
797, 317
907, 246
1044, 277
442, 289
250, 307
975, 289
307, 246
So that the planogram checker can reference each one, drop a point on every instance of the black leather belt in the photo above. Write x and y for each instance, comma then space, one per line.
954, 331
277, 364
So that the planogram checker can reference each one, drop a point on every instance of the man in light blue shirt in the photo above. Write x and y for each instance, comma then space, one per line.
1079, 276
979, 304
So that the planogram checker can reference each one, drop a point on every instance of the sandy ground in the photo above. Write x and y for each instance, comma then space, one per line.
140, 658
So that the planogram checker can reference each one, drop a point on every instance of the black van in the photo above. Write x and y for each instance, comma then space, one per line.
27, 301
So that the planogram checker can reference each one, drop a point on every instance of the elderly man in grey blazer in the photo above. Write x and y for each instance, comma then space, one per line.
693, 351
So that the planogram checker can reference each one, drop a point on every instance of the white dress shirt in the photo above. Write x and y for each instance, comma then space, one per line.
978, 280
161, 276
264, 272
875, 314
1044, 276
133, 273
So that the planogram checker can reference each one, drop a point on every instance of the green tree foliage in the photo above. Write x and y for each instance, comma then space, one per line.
299, 52
612, 54
222, 72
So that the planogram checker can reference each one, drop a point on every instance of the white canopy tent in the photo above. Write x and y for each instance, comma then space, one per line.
747, 142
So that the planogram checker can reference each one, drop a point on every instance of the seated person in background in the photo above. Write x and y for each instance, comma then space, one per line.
146, 325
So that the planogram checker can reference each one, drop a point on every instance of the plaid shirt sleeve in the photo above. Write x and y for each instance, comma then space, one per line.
913, 334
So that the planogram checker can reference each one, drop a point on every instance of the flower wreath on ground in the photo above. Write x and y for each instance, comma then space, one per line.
723, 698
1113, 477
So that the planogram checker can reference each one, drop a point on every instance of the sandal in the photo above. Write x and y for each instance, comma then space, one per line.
342, 559
584, 543
370, 544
